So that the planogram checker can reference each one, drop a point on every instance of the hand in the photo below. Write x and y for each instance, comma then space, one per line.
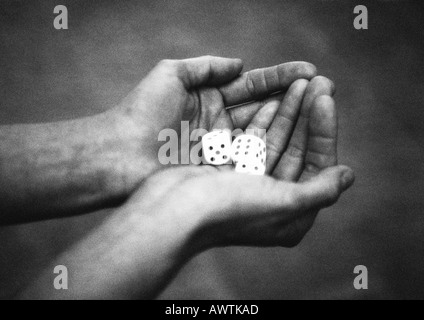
275, 210
201, 91
82, 165
179, 212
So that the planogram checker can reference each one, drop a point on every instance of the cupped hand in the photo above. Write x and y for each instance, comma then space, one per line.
273, 210
206, 91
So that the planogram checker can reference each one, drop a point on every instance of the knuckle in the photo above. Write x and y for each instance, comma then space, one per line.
264, 79
273, 148
312, 167
295, 152
250, 85
167, 64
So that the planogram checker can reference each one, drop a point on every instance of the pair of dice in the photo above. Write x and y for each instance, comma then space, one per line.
248, 152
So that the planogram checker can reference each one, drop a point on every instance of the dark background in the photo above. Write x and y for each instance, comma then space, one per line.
48, 75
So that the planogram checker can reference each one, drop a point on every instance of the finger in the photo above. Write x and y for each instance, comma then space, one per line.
282, 126
243, 115
322, 142
259, 83
216, 116
262, 120
291, 163
206, 70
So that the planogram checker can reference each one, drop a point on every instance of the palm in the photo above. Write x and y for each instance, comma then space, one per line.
301, 137
210, 93
284, 206
301, 133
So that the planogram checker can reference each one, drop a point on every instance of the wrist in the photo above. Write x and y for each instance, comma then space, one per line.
134, 153
174, 223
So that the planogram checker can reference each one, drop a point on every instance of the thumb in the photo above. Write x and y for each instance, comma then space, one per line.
324, 189
262, 195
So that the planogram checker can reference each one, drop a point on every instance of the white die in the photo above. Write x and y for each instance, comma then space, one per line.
217, 147
248, 146
250, 167
249, 154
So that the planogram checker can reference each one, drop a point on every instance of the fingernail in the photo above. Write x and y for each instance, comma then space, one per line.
348, 177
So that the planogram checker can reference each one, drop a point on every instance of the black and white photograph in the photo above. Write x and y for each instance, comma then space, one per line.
207, 156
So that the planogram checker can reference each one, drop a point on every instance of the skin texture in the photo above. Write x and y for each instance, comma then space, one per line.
75, 167
177, 213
